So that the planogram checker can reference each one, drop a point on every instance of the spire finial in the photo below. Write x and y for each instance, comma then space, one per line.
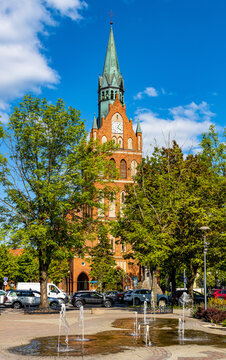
95, 122
138, 127
111, 15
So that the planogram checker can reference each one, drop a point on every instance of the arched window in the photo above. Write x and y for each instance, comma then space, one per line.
102, 95
133, 168
139, 142
107, 95
122, 201
120, 141
114, 139
112, 95
104, 139
123, 169
130, 143
112, 168
112, 208
100, 210
112, 242
95, 135
115, 94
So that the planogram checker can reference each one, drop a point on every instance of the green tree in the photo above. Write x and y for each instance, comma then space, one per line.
103, 265
28, 267
171, 199
59, 266
49, 180
8, 265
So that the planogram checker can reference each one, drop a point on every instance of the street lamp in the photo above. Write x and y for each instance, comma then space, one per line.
204, 229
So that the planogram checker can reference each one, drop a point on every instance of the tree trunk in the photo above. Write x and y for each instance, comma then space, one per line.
43, 278
154, 284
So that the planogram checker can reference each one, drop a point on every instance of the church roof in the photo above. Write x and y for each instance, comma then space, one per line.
111, 66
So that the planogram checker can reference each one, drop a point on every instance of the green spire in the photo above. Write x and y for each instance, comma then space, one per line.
138, 127
94, 123
111, 82
111, 65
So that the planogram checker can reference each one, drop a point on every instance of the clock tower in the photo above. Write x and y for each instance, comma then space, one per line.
112, 123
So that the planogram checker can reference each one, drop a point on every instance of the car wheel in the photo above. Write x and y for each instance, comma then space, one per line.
54, 305
136, 301
78, 303
107, 304
17, 305
162, 302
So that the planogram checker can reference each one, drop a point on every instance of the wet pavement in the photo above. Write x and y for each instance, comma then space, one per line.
109, 332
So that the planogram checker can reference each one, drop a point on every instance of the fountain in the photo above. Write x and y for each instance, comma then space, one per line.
136, 325
184, 300
66, 328
147, 336
145, 312
81, 323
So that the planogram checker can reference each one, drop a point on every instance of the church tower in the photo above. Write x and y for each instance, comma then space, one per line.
112, 123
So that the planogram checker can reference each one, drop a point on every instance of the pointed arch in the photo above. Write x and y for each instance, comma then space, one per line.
120, 141
104, 139
133, 168
123, 169
83, 281
130, 143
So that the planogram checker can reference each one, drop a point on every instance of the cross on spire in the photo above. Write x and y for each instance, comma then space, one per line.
111, 15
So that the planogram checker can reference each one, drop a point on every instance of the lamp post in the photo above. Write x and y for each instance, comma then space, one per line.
204, 229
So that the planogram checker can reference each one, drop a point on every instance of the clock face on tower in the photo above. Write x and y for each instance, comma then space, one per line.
117, 127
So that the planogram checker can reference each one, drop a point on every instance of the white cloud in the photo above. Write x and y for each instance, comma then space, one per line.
68, 8
184, 124
24, 66
149, 91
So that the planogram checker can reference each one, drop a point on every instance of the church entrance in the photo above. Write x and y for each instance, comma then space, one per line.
82, 282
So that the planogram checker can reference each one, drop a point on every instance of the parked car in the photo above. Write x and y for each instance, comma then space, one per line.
220, 293
20, 298
52, 290
138, 296
197, 296
2, 295
113, 294
80, 298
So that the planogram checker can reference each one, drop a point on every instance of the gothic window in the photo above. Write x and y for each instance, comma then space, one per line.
112, 95
102, 95
112, 242
133, 168
104, 139
120, 141
115, 94
138, 142
130, 143
100, 211
95, 135
123, 169
122, 201
123, 247
112, 168
114, 139
112, 208
107, 94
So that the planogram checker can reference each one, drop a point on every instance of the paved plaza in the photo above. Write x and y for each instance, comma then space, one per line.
17, 329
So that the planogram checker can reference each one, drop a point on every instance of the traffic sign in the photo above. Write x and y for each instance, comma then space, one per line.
5, 283
5, 279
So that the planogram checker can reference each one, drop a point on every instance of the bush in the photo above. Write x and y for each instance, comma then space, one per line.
213, 314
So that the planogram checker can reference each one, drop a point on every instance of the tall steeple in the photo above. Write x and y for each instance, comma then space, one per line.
111, 81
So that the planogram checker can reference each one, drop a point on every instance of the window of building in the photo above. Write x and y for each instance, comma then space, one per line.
107, 96
112, 168
100, 211
122, 201
133, 168
120, 141
112, 95
112, 242
102, 95
112, 208
114, 139
123, 247
130, 143
123, 169
139, 142
104, 139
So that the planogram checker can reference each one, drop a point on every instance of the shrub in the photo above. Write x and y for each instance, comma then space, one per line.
211, 314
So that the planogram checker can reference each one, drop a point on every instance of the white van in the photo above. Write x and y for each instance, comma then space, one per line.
52, 290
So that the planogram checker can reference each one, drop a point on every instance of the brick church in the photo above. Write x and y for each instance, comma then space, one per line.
112, 123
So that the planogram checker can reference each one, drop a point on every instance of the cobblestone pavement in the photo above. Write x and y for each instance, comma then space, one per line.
17, 329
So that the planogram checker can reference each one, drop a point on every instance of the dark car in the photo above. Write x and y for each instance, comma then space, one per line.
80, 298
197, 296
113, 294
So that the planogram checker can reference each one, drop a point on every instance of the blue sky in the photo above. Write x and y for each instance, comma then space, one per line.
171, 54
